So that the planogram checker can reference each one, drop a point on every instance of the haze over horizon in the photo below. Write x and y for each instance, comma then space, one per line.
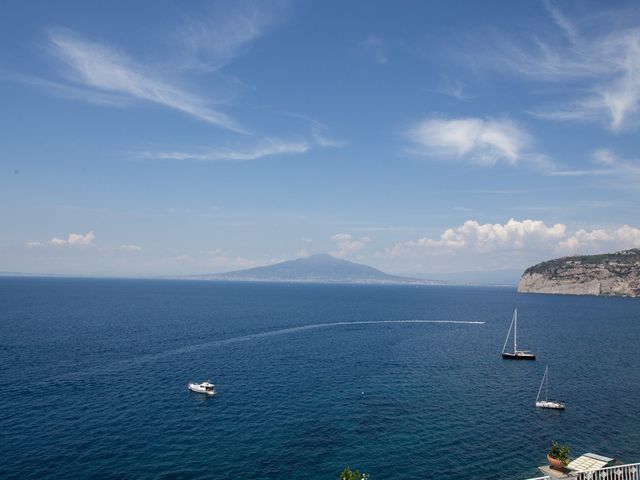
422, 139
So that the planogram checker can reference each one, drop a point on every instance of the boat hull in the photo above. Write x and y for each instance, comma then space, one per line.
518, 356
198, 389
550, 404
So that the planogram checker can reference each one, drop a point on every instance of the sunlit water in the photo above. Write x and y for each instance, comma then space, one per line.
405, 382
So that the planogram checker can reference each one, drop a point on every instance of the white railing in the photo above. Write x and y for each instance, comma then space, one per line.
630, 471
540, 478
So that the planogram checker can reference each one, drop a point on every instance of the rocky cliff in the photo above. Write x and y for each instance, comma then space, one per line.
607, 274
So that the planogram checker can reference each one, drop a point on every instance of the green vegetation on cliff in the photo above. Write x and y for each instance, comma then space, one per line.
618, 260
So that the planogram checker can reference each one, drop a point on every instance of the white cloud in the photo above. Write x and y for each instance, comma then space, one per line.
302, 253
484, 238
347, 244
482, 141
129, 248
74, 240
307, 240
601, 240
267, 147
515, 243
103, 68
376, 48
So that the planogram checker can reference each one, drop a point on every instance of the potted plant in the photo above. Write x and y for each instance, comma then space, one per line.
558, 455
348, 474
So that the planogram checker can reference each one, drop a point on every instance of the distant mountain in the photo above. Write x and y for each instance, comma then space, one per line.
320, 268
606, 274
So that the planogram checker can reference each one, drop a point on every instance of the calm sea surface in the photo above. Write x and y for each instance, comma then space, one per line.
93, 375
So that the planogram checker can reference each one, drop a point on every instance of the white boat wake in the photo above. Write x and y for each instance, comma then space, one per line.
124, 364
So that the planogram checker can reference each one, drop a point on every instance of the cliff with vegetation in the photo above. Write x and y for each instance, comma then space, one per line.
607, 274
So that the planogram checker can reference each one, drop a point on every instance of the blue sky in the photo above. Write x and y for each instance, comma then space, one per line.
424, 138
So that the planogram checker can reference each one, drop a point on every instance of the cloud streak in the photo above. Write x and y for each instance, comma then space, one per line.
266, 148
101, 67
609, 166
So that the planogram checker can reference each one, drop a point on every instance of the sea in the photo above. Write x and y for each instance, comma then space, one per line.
403, 382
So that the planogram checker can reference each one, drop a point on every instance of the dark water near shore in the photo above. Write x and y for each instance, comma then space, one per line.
93, 374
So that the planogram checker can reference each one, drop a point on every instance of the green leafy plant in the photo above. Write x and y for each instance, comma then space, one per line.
348, 474
559, 452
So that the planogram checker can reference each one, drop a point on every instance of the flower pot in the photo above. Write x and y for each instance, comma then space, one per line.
555, 463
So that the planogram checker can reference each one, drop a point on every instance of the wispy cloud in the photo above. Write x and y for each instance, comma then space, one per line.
609, 165
105, 69
71, 92
601, 70
266, 148
319, 132
596, 172
221, 33
484, 141
453, 88
376, 48
317, 136
567, 27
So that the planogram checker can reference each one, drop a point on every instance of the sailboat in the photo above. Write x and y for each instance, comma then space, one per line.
516, 354
546, 403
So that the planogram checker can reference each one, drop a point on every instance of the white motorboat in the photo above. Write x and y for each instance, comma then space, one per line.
546, 403
207, 388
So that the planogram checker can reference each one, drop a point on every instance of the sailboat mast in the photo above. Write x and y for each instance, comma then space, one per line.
546, 384
508, 334
515, 330
541, 383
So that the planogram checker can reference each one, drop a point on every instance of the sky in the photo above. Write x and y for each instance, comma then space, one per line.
157, 138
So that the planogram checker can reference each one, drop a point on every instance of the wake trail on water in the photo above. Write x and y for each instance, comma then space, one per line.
124, 364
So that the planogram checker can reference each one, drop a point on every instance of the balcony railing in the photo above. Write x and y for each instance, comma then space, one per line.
630, 471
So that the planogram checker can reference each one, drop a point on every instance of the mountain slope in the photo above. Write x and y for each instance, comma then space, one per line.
320, 268
606, 274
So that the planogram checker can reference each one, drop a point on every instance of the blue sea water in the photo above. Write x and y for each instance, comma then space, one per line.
93, 375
